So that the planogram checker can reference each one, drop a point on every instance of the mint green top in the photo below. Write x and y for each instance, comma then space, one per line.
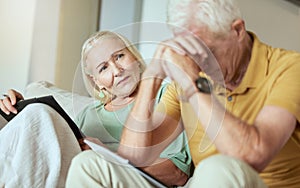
95, 121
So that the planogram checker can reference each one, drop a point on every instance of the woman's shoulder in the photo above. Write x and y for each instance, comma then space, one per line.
161, 90
90, 108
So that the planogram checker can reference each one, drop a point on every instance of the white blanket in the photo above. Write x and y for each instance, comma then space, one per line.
36, 149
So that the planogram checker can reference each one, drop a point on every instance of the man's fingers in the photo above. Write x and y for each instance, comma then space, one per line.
186, 45
175, 46
199, 46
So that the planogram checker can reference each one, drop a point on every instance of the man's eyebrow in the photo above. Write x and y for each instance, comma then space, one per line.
110, 57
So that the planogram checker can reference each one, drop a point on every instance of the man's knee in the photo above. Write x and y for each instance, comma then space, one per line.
217, 165
222, 161
223, 170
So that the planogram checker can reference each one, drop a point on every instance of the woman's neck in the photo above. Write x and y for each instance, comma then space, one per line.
120, 102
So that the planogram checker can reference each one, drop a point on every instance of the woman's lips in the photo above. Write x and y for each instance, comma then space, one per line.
123, 80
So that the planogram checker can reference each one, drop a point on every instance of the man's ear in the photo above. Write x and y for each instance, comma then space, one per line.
238, 27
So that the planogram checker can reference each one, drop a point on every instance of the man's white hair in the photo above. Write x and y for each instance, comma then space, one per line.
216, 15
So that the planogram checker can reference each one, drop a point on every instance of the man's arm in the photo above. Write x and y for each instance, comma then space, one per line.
256, 144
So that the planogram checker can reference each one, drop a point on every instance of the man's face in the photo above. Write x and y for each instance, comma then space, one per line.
224, 49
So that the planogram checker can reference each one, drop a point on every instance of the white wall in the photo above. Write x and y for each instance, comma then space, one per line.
16, 20
120, 16
141, 21
276, 22
153, 27
42, 39
78, 20
61, 27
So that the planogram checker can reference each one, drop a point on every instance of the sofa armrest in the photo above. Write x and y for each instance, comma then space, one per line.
71, 102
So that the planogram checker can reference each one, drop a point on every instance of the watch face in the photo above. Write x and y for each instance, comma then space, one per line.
203, 85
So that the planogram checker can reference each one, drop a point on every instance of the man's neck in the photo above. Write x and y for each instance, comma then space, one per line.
245, 60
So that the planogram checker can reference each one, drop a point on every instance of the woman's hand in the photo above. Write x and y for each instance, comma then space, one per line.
155, 69
84, 146
167, 172
8, 102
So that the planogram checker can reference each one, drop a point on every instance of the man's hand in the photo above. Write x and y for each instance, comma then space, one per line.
180, 68
192, 51
10, 99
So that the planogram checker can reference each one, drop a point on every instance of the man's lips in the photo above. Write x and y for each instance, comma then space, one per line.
123, 80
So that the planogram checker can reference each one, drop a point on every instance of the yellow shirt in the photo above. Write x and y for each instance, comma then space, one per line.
272, 78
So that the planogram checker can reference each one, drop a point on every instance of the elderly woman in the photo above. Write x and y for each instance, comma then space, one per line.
112, 70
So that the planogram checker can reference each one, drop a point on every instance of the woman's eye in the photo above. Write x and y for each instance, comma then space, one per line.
118, 56
102, 68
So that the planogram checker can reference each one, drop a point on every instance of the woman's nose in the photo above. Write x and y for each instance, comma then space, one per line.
117, 69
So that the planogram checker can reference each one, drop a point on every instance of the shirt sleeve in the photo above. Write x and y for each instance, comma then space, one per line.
286, 88
80, 118
169, 103
178, 151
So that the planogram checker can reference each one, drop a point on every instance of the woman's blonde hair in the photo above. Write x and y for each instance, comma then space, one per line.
91, 86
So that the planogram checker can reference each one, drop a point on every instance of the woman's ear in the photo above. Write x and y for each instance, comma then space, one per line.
94, 79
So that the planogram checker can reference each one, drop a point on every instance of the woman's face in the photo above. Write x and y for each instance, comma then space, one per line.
113, 67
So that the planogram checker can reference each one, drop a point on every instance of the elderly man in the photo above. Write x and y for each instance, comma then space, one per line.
255, 129
241, 114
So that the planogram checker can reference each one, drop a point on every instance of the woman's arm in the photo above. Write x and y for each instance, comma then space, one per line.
167, 172
144, 127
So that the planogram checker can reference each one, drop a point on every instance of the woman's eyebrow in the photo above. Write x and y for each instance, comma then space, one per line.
110, 57
116, 52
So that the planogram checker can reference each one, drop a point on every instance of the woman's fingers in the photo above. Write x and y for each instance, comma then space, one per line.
14, 96
9, 100
3, 107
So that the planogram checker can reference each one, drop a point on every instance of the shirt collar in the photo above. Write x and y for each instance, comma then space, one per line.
257, 68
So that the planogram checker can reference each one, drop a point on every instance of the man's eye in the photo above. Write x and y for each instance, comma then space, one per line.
118, 57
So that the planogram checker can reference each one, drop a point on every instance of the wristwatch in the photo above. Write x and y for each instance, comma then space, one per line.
203, 85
